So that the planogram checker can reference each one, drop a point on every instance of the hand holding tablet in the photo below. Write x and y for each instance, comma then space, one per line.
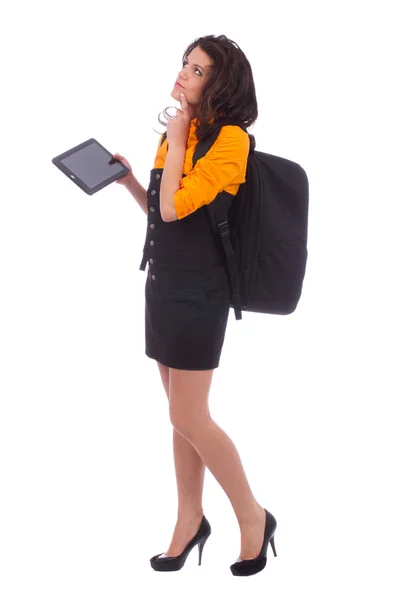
126, 178
91, 167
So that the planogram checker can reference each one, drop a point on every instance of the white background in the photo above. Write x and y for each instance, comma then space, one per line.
88, 489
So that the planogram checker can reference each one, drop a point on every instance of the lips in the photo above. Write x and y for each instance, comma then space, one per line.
177, 83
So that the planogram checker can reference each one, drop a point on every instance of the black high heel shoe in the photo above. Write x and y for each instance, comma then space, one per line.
254, 565
174, 563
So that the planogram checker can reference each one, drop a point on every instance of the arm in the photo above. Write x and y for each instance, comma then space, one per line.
138, 192
170, 181
222, 167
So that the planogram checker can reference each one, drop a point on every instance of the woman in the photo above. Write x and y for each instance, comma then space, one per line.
188, 292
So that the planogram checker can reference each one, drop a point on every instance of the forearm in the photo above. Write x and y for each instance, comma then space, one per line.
138, 192
172, 175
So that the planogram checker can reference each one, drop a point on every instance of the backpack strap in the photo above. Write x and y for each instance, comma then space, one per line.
218, 213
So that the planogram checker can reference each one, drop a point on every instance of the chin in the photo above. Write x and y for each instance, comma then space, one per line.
177, 90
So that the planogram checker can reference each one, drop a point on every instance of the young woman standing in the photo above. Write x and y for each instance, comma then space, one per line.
188, 292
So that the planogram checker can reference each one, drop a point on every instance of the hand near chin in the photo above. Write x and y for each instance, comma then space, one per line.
178, 127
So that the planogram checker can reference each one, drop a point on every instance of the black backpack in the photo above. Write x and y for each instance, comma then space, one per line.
263, 231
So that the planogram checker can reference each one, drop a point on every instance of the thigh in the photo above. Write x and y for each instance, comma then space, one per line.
188, 397
164, 372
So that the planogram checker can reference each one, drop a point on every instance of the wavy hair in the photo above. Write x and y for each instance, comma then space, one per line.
229, 91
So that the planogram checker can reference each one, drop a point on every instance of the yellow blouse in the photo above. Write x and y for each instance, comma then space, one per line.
222, 168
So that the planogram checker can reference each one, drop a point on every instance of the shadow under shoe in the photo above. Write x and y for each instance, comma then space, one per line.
255, 565
174, 563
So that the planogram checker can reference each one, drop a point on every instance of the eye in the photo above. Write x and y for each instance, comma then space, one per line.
196, 69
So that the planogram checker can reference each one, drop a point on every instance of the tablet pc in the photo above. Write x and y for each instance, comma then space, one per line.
90, 166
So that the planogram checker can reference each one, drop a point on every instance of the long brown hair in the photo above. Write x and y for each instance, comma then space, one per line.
229, 91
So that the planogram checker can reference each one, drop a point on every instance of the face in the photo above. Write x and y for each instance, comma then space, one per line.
194, 73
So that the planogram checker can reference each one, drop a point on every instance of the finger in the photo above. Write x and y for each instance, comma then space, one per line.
184, 104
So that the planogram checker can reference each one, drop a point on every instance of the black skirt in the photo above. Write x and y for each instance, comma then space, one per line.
185, 325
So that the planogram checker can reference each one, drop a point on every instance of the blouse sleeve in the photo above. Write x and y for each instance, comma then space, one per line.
225, 163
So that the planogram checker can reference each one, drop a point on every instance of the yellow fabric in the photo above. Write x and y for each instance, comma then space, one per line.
222, 168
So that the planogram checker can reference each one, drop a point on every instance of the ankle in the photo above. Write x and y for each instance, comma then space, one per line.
187, 515
251, 516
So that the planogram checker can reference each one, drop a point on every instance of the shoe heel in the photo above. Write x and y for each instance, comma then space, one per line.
272, 542
201, 546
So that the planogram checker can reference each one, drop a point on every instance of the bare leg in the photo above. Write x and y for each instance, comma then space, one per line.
189, 413
190, 471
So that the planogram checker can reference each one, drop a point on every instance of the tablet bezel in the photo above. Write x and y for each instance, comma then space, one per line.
73, 177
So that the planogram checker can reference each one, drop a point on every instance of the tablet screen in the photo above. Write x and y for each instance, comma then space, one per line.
92, 165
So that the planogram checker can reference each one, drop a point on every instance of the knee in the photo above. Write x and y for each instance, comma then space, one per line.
180, 422
187, 423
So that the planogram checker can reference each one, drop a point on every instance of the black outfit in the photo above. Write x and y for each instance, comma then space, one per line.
187, 288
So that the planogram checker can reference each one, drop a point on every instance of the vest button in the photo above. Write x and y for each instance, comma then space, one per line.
152, 226
152, 243
152, 208
153, 277
151, 260
153, 192
158, 176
